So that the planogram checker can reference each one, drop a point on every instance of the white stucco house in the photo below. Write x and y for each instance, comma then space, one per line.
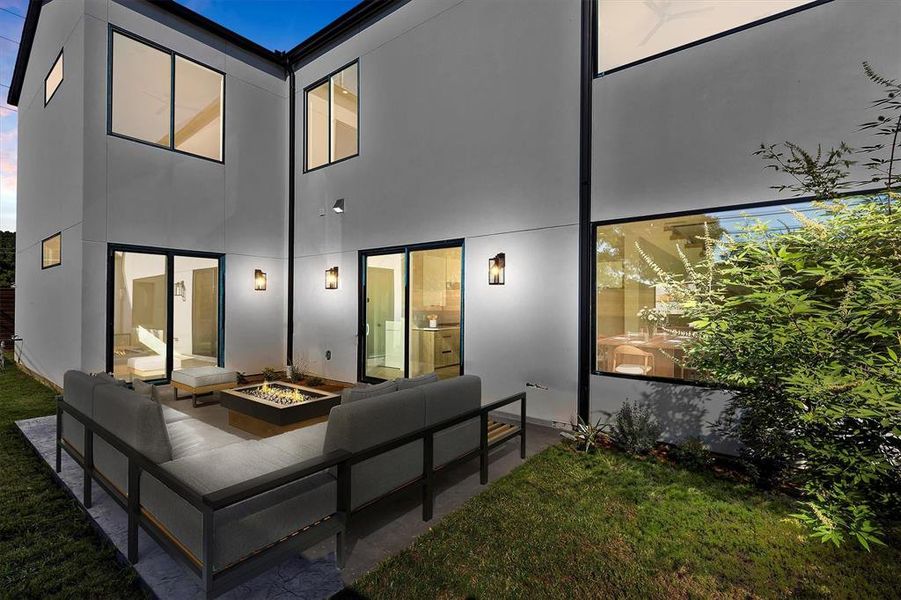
424, 185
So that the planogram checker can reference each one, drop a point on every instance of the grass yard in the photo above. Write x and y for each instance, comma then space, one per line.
567, 525
47, 548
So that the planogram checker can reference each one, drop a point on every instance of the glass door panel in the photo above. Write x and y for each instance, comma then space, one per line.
436, 277
140, 316
195, 312
385, 291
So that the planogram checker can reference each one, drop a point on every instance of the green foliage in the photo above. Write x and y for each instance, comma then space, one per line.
635, 429
692, 453
314, 380
242, 377
7, 258
585, 435
270, 374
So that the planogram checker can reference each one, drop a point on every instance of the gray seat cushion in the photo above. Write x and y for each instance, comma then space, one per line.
249, 525
170, 415
362, 392
78, 391
302, 444
191, 436
359, 425
446, 399
134, 419
412, 382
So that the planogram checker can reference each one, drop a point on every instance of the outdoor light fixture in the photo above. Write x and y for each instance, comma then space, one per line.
180, 290
259, 280
496, 269
331, 278
339, 206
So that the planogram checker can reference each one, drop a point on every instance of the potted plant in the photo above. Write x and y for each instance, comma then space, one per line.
653, 317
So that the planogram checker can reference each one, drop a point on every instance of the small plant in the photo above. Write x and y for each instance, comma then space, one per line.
635, 429
692, 453
314, 380
296, 376
242, 377
584, 435
270, 374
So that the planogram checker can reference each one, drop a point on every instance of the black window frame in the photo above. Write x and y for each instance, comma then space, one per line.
306, 130
113, 30
406, 250
59, 57
59, 261
698, 42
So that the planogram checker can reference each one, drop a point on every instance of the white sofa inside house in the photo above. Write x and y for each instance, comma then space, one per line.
199, 462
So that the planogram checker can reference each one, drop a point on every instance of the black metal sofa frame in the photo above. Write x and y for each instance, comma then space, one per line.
215, 583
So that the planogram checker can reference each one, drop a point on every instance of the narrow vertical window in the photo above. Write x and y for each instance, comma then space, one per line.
53, 79
198, 109
333, 109
141, 91
51, 251
317, 126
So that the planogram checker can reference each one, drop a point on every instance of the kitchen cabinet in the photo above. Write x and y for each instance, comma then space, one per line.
432, 348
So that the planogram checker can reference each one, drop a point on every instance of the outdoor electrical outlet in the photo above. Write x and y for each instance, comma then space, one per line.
328, 355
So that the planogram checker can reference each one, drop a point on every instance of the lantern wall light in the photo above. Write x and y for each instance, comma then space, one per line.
331, 278
259, 280
496, 266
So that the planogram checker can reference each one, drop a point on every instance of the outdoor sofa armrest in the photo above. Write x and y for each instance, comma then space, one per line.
264, 483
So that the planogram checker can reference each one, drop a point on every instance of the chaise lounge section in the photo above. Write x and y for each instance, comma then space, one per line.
230, 508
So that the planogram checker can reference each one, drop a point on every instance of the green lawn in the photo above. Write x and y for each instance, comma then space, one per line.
566, 525
47, 548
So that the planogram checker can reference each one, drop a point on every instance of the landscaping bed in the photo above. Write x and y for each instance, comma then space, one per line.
47, 547
575, 525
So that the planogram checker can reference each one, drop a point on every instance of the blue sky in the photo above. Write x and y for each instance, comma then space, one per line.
275, 24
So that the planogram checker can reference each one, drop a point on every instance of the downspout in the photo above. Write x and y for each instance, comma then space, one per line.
291, 159
585, 249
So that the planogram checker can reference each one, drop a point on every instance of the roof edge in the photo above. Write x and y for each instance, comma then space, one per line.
28, 30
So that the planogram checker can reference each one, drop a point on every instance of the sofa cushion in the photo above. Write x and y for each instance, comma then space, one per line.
78, 392
170, 415
412, 382
148, 390
359, 425
198, 377
362, 392
192, 436
136, 420
248, 525
446, 399
301, 444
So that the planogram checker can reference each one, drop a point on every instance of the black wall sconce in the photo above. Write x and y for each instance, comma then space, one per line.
179, 291
259, 281
331, 278
496, 269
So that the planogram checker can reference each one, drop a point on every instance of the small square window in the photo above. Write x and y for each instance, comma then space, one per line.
53, 79
52, 251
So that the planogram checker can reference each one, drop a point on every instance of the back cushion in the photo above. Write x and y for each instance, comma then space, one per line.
450, 397
362, 392
134, 419
359, 425
406, 384
78, 390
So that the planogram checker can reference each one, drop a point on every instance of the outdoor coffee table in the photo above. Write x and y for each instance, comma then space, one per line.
268, 409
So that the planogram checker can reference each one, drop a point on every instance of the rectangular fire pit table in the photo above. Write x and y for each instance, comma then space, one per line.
268, 409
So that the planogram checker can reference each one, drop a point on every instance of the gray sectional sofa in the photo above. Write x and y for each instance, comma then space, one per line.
229, 507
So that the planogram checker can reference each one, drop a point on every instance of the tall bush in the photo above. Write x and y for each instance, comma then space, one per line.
804, 325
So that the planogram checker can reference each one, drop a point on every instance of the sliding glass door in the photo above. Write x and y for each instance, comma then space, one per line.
411, 311
165, 311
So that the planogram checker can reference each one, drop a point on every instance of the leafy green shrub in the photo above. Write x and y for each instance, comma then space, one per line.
635, 429
314, 380
692, 453
585, 435
804, 325
270, 374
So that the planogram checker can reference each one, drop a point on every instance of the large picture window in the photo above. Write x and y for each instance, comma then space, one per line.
149, 85
332, 118
630, 31
640, 328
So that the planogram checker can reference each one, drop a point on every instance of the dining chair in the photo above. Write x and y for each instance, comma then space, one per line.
644, 367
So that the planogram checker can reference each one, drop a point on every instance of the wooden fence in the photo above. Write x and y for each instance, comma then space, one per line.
7, 312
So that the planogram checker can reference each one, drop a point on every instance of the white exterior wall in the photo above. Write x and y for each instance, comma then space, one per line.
49, 199
112, 190
469, 128
677, 133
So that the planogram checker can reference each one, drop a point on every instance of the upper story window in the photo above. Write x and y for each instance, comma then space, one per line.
332, 118
53, 79
162, 98
52, 251
630, 32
